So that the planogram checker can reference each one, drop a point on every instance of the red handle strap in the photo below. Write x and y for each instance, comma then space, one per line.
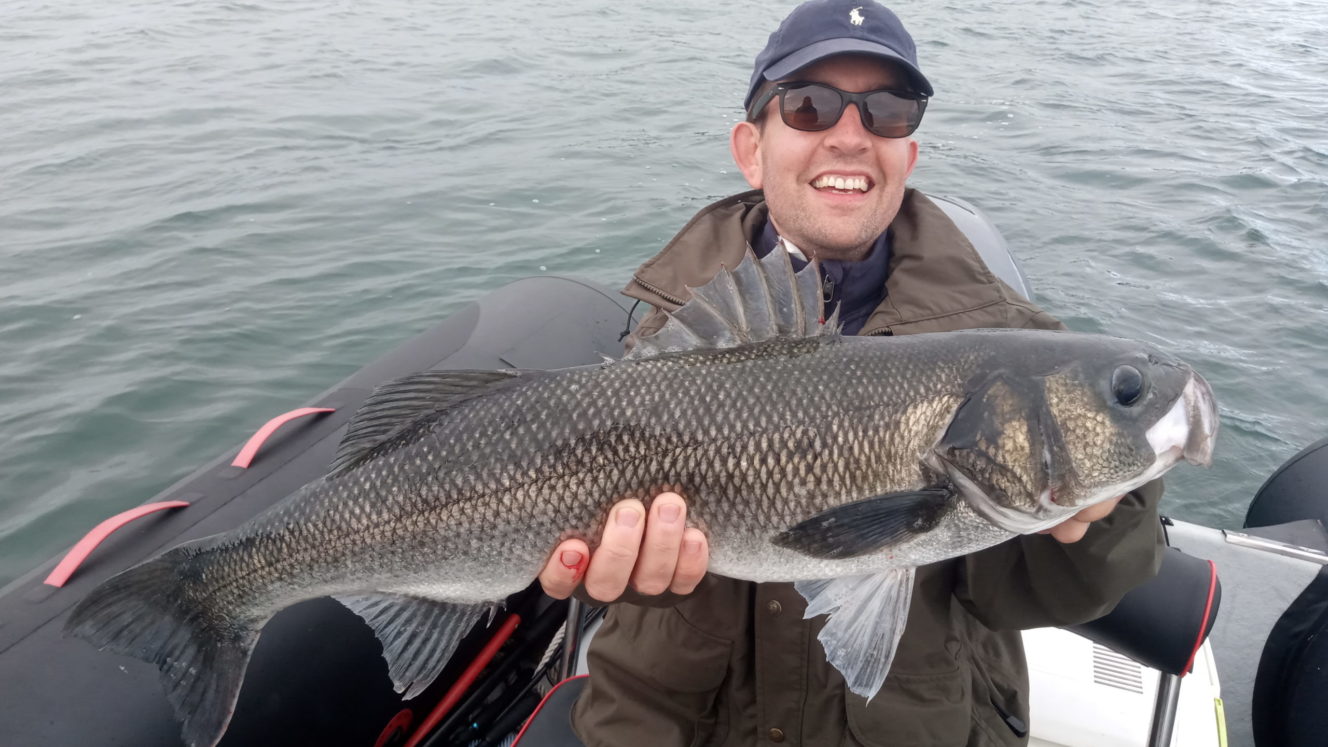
250, 448
75, 557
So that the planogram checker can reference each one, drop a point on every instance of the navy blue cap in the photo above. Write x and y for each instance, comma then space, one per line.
819, 29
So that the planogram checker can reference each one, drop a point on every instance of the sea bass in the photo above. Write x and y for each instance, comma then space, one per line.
839, 463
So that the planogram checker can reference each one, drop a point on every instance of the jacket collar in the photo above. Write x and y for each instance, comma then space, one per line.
934, 270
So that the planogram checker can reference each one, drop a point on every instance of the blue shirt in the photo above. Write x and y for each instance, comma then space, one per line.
855, 288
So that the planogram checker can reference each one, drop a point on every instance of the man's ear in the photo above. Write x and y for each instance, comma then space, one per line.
745, 145
912, 156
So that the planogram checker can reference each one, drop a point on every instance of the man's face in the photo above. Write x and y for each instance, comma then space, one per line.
791, 166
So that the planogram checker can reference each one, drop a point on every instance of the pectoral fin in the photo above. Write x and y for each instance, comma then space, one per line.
869, 525
867, 618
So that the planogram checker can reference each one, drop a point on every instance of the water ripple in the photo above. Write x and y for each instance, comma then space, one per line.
213, 211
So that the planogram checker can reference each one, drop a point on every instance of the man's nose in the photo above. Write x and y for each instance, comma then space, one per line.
848, 134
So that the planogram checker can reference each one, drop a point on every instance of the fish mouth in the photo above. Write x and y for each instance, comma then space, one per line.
1189, 429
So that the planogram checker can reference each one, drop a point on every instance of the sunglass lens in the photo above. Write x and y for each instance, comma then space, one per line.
811, 107
889, 115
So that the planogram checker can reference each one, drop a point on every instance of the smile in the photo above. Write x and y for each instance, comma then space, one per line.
840, 183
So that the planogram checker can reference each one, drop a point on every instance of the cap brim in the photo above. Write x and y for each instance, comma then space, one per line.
830, 47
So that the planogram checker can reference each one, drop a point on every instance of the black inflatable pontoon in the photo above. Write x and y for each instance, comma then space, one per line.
316, 676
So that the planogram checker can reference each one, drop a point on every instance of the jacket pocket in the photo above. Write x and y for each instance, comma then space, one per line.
694, 670
998, 716
914, 709
691, 660
654, 679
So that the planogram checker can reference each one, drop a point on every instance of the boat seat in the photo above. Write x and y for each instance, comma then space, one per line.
551, 723
1162, 623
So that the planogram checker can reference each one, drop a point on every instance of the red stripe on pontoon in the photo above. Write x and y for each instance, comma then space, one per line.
250, 449
463, 682
530, 719
1208, 609
75, 557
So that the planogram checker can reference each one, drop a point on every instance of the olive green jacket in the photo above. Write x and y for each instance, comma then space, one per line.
735, 664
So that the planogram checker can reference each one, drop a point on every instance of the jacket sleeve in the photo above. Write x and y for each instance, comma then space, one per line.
1035, 581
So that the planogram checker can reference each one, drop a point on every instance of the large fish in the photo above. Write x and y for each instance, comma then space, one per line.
840, 463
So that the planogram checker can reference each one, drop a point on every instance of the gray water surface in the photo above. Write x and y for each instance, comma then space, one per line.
211, 211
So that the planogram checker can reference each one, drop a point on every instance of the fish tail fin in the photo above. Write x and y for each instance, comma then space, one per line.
149, 612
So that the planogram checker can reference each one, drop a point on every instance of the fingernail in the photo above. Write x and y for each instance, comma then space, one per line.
571, 559
628, 517
670, 512
691, 547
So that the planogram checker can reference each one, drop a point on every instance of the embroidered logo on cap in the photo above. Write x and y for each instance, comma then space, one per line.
854, 17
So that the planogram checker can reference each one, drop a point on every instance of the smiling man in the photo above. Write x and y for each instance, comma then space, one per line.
691, 658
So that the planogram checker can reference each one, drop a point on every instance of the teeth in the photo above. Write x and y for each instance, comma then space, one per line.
858, 183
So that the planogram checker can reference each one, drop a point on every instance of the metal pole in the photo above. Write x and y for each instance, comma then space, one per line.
571, 640
1164, 710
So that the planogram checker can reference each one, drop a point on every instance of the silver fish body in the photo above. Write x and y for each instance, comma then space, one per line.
467, 505
813, 459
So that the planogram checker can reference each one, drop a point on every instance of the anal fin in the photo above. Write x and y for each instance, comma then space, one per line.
418, 635
867, 618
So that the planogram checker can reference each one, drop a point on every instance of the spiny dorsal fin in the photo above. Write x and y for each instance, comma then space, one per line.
396, 405
758, 300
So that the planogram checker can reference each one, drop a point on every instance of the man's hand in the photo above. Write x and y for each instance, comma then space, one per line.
1074, 528
655, 554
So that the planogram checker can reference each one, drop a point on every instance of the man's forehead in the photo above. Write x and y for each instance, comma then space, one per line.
855, 70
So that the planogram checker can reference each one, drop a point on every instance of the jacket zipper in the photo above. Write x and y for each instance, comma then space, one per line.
884, 331
666, 296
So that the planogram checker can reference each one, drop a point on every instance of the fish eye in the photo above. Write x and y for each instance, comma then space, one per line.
1127, 385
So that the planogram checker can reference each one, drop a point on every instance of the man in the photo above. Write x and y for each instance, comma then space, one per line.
697, 659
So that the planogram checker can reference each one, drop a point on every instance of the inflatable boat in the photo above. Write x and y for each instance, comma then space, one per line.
1184, 660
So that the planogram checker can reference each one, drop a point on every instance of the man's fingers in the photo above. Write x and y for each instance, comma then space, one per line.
611, 567
1100, 511
692, 562
1069, 532
655, 553
563, 571
663, 540
1074, 528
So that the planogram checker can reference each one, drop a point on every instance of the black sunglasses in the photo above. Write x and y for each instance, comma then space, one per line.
812, 107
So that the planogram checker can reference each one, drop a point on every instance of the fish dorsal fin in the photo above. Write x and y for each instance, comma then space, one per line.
396, 405
418, 635
758, 300
867, 618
